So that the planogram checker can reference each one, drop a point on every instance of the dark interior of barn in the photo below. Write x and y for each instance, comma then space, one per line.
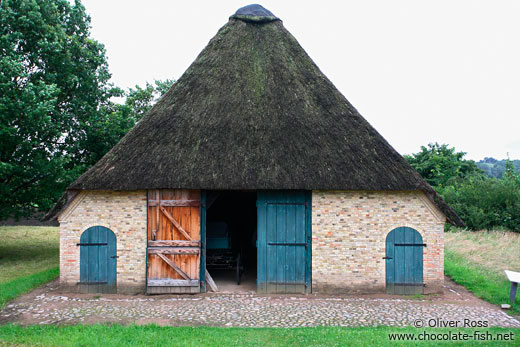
231, 224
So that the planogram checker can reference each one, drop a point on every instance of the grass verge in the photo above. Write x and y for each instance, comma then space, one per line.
153, 335
488, 285
29, 257
12, 289
495, 250
477, 260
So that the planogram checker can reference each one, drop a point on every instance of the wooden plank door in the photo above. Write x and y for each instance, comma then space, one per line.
404, 261
98, 260
174, 242
283, 242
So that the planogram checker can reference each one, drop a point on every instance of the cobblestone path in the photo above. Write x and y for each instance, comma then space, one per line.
46, 306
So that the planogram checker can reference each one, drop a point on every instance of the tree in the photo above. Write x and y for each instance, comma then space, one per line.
482, 202
486, 203
441, 165
54, 99
140, 100
120, 118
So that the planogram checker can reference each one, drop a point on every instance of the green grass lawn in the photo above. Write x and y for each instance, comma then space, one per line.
29, 257
477, 261
152, 335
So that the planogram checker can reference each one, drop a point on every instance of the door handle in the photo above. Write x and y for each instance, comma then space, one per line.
114, 256
388, 258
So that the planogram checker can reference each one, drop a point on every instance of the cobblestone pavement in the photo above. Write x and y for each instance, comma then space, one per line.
48, 306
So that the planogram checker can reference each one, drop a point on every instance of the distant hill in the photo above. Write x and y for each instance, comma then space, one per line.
496, 168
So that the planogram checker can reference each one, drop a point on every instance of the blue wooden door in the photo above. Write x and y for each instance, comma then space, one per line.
283, 242
98, 260
404, 261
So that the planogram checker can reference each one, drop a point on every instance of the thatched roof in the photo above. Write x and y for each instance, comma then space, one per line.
253, 111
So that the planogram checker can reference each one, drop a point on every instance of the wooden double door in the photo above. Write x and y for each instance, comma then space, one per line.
176, 253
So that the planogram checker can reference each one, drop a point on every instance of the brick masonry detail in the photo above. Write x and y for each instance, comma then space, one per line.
122, 212
349, 230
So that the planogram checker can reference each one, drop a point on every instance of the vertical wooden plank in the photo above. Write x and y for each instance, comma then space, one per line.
113, 263
195, 226
413, 256
399, 256
157, 214
163, 270
202, 232
271, 250
186, 216
102, 258
147, 264
408, 255
92, 261
308, 240
418, 272
280, 229
290, 251
299, 237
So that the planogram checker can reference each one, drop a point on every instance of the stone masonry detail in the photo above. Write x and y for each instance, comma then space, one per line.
122, 212
349, 230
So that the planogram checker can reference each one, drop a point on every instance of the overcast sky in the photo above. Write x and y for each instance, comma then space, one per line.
444, 71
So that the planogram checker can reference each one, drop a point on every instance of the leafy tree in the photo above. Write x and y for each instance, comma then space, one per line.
120, 118
140, 100
486, 203
54, 93
482, 202
441, 165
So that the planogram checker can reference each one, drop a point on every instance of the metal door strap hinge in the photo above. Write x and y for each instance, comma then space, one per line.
92, 244
91, 282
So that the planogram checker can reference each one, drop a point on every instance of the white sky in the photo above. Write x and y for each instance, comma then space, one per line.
418, 71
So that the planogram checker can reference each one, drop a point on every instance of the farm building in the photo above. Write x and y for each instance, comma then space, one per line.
253, 164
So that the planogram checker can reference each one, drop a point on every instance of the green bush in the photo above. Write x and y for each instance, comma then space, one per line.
482, 202
486, 203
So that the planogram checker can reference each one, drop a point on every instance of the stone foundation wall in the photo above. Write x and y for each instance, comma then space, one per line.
122, 212
349, 230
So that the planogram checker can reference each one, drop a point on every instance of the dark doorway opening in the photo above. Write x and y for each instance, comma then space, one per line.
231, 254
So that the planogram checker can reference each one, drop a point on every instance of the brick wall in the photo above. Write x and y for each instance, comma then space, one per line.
349, 231
122, 212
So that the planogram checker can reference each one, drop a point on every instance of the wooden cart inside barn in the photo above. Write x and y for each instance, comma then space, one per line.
219, 250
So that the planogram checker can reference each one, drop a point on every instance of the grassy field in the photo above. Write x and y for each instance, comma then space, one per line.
152, 335
477, 260
29, 257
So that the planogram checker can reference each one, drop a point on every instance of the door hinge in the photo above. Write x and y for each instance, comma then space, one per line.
92, 244
388, 258
114, 256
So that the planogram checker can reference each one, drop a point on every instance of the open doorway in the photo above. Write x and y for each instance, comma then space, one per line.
231, 255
